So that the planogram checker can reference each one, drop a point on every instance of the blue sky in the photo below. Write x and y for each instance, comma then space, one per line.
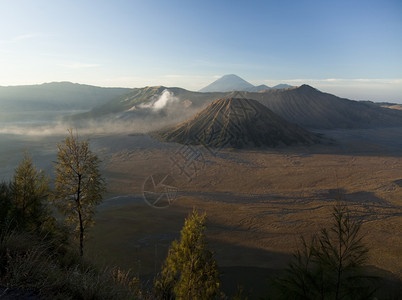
350, 48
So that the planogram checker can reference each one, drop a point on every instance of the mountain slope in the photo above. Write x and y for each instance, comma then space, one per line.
231, 82
141, 98
228, 83
310, 108
237, 123
304, 105
282, 86
55, 96
258, 88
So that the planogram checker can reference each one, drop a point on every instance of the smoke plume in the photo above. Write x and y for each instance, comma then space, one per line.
164, 99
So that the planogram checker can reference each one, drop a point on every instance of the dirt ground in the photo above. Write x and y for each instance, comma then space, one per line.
258, 202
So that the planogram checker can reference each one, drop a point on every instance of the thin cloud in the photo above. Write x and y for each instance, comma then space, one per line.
338, 81
79, 65
21, 37
374, 89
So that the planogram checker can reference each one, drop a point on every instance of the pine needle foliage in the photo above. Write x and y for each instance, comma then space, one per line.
29, 191
331, 264
190, 270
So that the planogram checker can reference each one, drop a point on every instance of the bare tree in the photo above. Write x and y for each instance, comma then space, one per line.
79, 185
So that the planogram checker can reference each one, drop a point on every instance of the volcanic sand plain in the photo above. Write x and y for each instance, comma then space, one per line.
258, 201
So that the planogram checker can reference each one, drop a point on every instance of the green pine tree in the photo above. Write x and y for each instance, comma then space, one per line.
190, 270
332, 265
5, 205
29, 191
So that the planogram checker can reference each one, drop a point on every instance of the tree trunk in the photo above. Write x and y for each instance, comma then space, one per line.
81, 234
80, 216
340, 258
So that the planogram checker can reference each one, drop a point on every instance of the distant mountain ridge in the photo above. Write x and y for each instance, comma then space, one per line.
303, 105
282, 86
258, 88
138, 99
232, 82
55, 96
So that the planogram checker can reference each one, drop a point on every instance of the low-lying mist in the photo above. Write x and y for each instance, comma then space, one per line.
84, 128
60, 128
164, 110
123, 123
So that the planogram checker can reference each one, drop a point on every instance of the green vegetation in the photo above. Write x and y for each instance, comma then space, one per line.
5, 204
29, 190
79, 185
190, 271
36, 252
23, 201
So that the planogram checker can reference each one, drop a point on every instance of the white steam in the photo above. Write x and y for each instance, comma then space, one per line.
165, 98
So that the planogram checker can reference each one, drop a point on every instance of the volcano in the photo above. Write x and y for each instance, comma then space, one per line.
228, 83
238, 123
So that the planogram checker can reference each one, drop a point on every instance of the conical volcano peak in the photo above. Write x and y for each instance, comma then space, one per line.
234, 101
237, 123
232, 82
238, 109
231, 76
228, 83
306, 87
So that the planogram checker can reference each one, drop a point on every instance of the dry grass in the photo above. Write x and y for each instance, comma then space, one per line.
32, 263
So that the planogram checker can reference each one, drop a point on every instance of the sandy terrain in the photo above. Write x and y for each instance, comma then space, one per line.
258, 202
